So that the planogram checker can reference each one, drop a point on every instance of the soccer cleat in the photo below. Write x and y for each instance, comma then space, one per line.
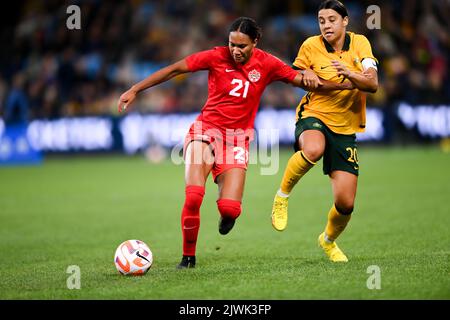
187, 262
225, 225
331, 250
280, 212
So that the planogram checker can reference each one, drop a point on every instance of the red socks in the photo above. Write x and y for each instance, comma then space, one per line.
230, 209
190, 215
190, 218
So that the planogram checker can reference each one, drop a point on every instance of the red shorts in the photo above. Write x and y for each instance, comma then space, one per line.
230, 150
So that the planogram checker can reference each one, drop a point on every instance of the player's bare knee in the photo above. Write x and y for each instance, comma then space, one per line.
344, 207
313, 151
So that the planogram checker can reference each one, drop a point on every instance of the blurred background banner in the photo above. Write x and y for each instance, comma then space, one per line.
135, 132
60, 81
15, 147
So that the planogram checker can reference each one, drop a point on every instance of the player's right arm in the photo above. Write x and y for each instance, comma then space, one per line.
162, 75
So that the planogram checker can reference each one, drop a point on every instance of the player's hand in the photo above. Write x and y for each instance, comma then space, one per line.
310, 79
341, 69
125, 100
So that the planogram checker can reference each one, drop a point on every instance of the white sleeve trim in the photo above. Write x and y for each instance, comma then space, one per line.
369, 63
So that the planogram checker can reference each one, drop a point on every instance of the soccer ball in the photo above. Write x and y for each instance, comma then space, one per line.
133, 257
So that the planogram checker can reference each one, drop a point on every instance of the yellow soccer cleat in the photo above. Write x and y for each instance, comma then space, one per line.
280, 213
332, 250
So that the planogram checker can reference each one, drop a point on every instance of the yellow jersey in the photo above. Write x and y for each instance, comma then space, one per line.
343, 111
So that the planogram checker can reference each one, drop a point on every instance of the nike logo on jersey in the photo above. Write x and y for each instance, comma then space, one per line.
323, 67
229, 70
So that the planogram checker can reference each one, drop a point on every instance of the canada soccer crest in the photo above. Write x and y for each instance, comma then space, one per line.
254, 75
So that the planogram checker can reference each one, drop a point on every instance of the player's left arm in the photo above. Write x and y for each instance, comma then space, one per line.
364, 81
367, 80
323, 85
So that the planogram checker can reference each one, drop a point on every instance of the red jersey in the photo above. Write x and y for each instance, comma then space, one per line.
234, 90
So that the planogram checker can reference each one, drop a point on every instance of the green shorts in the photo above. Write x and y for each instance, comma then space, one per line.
340, 149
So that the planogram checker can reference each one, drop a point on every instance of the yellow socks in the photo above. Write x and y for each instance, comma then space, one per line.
336, 224
296, 167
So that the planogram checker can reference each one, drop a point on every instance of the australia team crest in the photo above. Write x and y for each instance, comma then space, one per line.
254, 75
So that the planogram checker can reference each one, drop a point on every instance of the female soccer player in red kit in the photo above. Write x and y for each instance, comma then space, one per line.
218, 141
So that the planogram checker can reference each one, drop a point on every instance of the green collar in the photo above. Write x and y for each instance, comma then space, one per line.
346, 46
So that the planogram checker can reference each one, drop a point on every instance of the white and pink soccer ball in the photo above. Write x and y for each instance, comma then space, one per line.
133, 257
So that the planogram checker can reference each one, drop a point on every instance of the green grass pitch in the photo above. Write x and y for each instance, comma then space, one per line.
76, 211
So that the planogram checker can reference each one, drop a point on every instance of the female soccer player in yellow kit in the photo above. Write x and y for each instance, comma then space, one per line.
328, 120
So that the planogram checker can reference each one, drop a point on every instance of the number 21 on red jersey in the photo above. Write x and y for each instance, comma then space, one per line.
237, 90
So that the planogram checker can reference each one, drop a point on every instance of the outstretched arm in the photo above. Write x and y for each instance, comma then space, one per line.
162, 75
365, 81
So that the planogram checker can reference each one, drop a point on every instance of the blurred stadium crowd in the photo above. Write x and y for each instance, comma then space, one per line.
48, 71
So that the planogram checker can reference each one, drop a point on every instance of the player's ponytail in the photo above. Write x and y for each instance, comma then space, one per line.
247, 26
